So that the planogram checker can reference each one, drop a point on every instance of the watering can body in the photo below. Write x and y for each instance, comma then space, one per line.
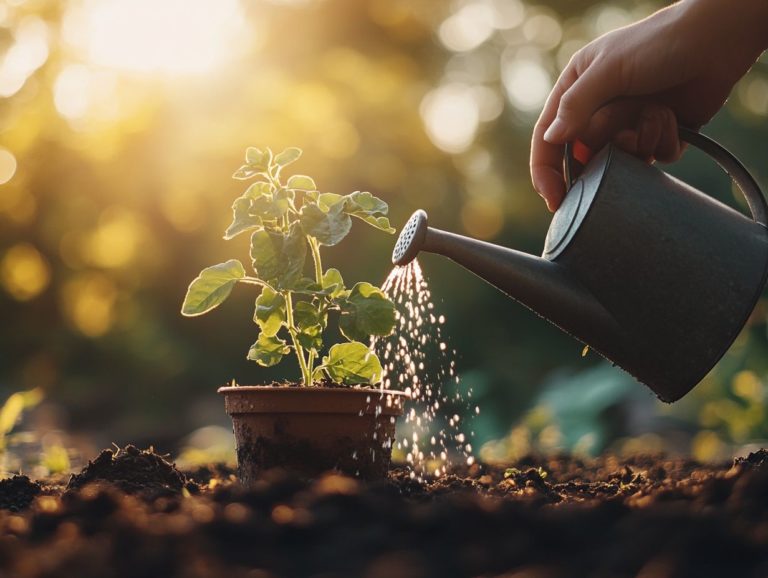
651, 273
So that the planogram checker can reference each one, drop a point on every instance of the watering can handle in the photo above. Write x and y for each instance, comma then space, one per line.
722, 156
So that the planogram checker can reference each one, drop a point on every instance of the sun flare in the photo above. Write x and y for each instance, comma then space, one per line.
150, 36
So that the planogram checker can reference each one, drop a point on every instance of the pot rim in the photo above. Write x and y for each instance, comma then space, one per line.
314, 389
267, 399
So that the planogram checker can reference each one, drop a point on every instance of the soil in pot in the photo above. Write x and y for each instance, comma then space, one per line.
308, 430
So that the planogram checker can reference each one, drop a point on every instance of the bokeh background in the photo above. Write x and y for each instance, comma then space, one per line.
121, 122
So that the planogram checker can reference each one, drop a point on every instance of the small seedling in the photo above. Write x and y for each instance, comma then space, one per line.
11, 411
287, 219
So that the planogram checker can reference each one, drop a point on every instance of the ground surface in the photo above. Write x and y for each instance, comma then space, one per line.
558, 517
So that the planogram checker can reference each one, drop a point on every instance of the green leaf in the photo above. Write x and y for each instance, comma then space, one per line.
270, 312
310, 319
307, 286
279, 258
257, 190
245, 172
258, 159
257, 162
365, 206
328, 227
242, 219
306, 314
211, 287
283, 199
333, 283
301, 183
268, 351
311, 338
363, 201
318, 374
366, 311
381, 223
288, 156
328, 200
265, 208
13, 407
352, 363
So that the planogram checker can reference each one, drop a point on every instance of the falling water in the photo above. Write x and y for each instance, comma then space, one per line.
417, 359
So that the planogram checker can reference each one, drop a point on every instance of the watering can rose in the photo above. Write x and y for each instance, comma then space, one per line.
288, 220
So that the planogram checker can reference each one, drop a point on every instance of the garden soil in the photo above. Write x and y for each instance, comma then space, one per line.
132, 514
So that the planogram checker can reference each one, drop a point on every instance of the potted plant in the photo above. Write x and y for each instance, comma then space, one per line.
335, 416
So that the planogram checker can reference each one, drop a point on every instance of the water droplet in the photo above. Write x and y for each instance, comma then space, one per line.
419, 362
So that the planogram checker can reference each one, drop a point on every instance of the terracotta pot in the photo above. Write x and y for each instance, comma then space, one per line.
308, 430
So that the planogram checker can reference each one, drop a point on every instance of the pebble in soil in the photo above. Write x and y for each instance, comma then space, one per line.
418, 359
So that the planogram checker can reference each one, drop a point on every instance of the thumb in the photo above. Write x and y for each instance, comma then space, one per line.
593, 89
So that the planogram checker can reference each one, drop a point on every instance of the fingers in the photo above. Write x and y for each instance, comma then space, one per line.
581, 90
669, 148
654, 135
546, 169
649, 131
592, 90
546, 158
646, 130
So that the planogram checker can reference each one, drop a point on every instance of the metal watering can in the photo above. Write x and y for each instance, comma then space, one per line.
654, 275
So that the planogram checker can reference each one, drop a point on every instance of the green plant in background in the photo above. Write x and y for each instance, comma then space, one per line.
289, 219
11, 411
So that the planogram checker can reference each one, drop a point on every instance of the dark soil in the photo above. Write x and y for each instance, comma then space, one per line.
133, 471
646, 517
17, 493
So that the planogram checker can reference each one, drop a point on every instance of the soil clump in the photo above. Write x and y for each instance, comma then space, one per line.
133, 471
17, 493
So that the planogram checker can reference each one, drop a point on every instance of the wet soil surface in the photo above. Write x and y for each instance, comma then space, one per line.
645, 517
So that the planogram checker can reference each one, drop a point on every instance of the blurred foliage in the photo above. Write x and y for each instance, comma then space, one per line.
10, 415
11, 411
120, 121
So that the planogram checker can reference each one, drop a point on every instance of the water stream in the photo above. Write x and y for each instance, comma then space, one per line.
418, 359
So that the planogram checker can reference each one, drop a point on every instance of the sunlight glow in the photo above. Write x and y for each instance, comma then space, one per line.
468, 28
451, 117
89, 303
24, 272
753, 94
115, 242
544, 30
527, 84
28, 52
146, 36
7, 165
482, 218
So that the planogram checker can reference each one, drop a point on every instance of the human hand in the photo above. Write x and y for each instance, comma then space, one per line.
633, 85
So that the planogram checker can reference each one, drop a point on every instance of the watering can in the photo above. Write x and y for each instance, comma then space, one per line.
649, 272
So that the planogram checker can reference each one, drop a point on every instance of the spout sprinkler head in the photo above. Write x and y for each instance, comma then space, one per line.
411, 239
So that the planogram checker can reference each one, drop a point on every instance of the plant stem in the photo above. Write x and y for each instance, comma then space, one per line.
253, 281
311, 363
306, 375
315, 247
316, 258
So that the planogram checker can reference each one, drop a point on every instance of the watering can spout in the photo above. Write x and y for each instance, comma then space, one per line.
543, 286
